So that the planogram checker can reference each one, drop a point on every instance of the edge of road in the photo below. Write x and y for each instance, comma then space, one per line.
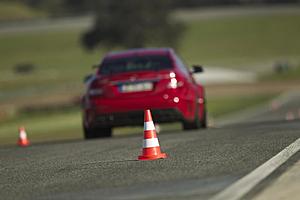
244, 185
251, 112
282, 173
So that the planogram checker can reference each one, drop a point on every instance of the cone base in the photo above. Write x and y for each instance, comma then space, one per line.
23, 143
153, 157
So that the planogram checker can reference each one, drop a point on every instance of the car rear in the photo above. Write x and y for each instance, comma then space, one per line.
127, 85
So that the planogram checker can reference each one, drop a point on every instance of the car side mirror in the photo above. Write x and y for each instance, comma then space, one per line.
87, 78
197, 69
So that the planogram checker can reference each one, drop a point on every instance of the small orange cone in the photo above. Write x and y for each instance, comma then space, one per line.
23, 141
290, 116
151, 148
275, 105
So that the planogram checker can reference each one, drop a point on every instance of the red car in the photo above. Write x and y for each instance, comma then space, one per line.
128, 82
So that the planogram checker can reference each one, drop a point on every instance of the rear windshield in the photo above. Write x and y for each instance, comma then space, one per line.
132, 64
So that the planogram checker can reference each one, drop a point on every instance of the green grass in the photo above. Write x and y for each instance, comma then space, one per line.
11, 11
224, 105
57, 57
242, 41
59, 126
67, 125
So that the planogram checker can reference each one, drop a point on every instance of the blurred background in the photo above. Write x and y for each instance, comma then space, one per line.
250, 50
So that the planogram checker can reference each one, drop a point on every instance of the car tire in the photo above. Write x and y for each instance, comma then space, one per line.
97, 132
204, 120
196, 124
191, 125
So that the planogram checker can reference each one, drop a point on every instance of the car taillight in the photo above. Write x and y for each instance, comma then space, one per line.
174, 83
95, 92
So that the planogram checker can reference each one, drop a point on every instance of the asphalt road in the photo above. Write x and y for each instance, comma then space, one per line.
199, 164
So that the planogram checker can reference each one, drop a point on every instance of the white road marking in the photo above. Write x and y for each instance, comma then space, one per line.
241, 187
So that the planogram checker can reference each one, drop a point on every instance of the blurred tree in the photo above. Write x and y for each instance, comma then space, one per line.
132, 24
78, 6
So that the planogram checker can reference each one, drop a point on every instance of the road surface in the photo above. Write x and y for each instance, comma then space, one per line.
200, 164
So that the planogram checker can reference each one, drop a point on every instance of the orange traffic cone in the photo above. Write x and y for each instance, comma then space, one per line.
23, 141
151, 148
275, 105
290, 116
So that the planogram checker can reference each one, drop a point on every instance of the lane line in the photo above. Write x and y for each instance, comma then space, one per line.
241, 187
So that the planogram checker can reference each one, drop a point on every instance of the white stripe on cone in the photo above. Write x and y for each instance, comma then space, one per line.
149, 126
23, 135
148, 143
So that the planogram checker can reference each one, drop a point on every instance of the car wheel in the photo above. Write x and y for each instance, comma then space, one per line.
87, 133
204, 120
97, 132
195, 124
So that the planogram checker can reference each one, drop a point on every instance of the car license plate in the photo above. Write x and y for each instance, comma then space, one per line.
137, 87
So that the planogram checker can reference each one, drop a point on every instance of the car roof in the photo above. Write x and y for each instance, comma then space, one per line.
138, 52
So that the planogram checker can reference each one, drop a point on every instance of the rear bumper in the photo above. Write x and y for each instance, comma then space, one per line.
135, 118
168, 107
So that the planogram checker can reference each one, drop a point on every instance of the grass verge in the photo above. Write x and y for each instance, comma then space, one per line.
242, 41
58, 126
12, 11
225, 105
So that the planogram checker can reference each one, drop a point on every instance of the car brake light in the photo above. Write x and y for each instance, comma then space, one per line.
173, 84
172, 75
